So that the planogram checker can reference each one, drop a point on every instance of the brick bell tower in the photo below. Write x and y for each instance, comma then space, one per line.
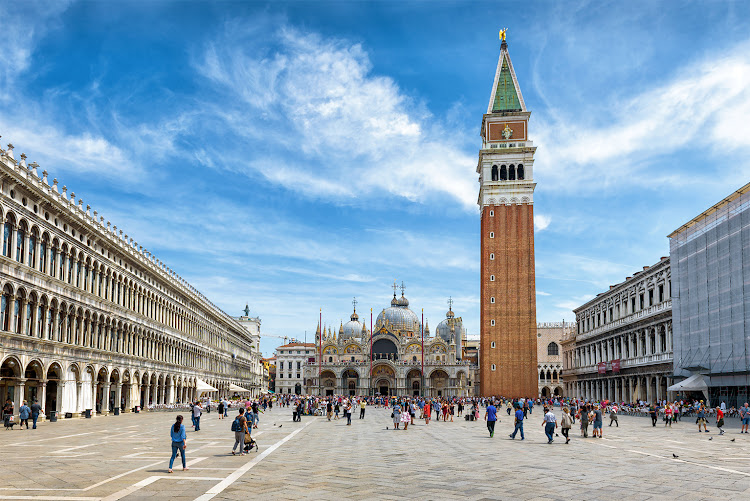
508, 362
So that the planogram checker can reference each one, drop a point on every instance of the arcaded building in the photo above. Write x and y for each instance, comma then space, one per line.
508, 354
89, 319
549, 355
621, 349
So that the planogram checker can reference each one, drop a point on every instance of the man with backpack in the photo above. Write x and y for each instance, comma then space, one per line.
239, 427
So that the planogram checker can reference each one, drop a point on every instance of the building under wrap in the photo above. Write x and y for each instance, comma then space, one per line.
710, 259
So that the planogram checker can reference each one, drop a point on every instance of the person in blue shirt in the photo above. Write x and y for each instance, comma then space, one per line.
179, 443
490, 415
23, 414
519, 424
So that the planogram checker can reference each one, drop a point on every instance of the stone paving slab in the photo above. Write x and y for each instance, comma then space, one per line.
125, 457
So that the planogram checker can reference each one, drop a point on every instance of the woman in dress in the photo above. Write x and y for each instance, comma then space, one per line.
427, 412
396, 415
406, 416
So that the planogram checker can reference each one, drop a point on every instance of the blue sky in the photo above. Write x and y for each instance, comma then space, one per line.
294, 155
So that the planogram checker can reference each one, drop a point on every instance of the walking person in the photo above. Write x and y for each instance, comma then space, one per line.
329, 410
396, 415
239, 427
197, 411
653, 411
348, 412
179, 443
584, 418
598, 418
406, 416
518, 424
336, 410
427, 410
490, 415
550, 424
35, 410
362, 405
720, 420
23, 414
700, 419
668, 415
220, 408
613, 415
566, 424
745, 417
8, 418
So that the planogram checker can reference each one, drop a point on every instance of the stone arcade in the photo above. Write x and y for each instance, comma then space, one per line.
91, 320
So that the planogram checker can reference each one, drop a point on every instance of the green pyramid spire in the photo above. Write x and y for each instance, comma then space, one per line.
506, 96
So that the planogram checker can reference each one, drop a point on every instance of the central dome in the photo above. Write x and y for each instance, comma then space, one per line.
399, 317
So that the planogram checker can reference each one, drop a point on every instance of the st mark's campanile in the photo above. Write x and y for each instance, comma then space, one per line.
508, 362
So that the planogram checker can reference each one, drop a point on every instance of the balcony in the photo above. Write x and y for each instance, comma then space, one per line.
653, 359
633, 317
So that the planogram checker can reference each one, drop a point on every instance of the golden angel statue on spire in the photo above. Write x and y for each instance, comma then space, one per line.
502, 34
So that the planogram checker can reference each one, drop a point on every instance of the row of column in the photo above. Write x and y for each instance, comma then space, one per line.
648, 388
641, 342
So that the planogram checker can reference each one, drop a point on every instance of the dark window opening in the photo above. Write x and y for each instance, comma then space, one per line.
520, 171
503, 173
494, 172
511, 173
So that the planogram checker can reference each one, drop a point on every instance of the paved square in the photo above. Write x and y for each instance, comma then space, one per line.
126, 457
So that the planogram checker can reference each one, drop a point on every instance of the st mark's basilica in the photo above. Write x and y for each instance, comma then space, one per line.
398, 356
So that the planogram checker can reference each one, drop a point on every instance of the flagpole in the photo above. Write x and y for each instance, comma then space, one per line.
372, 390
421, 386
320, 350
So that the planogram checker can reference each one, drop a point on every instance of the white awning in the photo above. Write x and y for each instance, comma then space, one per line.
203, 387
238, 389
693, 383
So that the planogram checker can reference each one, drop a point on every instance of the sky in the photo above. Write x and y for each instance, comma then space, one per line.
295, 155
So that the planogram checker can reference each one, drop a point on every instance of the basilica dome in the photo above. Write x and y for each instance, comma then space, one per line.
399, 317
351, 329
443, 330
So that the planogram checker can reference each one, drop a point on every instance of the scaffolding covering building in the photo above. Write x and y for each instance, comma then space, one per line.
710, 259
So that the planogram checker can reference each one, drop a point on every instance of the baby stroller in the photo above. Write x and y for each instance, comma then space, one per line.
250, 443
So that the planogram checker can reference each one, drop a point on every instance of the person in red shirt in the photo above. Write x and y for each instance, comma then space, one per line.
720, 420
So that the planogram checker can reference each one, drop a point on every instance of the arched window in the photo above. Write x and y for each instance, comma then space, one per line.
5, 303
20, 242
7, 231
52, 258
511, 173
61, 270
494, 172
17, 315
32, 249
520, 171
553, 349
503, 173
43, 254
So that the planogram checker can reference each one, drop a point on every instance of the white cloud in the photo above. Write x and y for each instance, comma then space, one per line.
24, 23
704, 104
541, 222
333, 128
541, 293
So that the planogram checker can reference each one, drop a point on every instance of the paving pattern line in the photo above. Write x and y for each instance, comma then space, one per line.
229, 480
52, 498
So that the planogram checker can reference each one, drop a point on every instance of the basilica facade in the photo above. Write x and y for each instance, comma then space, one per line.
92, 321
396, 358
